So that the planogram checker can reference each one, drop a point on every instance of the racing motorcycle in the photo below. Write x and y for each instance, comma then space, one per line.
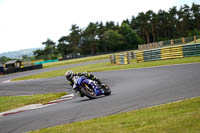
89, 88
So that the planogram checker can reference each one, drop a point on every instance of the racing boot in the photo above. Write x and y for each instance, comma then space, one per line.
102, 85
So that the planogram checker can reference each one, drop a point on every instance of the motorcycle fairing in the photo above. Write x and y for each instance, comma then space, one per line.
82, 79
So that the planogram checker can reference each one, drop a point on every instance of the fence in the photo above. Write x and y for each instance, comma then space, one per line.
169, 43
46, 61
170, 52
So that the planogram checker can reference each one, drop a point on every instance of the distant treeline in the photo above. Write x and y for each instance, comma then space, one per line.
99, 37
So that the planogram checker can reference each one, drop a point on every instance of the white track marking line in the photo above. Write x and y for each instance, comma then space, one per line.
36, 106
6, 81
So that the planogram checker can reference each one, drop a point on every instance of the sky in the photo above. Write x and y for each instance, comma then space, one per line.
27, 23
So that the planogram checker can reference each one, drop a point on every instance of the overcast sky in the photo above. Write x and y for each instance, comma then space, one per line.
27, 23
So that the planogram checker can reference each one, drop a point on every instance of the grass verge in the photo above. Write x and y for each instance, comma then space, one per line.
177, 117
11, 102
106, 66
75, 61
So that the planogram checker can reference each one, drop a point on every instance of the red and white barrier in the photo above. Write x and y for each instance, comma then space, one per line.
36, 106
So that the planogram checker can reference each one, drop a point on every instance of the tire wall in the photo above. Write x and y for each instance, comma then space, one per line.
171, 52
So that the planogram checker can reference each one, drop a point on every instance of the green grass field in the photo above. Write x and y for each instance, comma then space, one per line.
177, 117
197, 41
11, 102
75, 61
107, 66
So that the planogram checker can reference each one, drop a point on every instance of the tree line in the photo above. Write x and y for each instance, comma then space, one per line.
146, 27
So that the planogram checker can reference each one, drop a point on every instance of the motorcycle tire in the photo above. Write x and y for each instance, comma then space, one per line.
107, 90
88, 92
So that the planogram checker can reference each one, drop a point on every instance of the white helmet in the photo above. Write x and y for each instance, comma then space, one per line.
69, 74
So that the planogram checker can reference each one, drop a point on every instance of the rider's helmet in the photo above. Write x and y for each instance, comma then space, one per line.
69, 75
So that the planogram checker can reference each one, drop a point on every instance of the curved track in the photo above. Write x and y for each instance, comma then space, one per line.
39, 85
131, 89
15, 75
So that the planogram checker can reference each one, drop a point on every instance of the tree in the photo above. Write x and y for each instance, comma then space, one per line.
113, 41
173, 22
184, 20
163, 18
143, 23
194, 32
26, 58
50, 51
74, 38
4, 59
110, 37
64, 47
90, 36
195, 9
111, 25
130, 38
100, 33
39, 54
153, 19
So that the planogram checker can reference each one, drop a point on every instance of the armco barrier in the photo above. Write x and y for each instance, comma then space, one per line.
26, 68
131, 55
1, 70
171, 52
140, 56
191, 50
33, 67
120, 59
112, 59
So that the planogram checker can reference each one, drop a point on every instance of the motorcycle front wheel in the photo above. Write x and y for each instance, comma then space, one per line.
89, 92
107, 90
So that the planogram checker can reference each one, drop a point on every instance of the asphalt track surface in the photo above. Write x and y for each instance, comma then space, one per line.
38, 85
15, 75
131, 89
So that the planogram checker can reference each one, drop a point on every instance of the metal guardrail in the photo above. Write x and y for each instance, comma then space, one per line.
191, 50
22, 68
123, 58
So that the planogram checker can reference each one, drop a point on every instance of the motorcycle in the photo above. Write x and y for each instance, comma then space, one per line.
89, 88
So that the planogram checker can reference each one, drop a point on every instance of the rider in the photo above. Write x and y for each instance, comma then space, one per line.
70, 74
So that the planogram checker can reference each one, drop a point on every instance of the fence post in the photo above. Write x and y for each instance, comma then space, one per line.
172, 42
183, 40
112, 59
153, 45
161, 44
139, 47
128, 57
195, 39
157, 45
